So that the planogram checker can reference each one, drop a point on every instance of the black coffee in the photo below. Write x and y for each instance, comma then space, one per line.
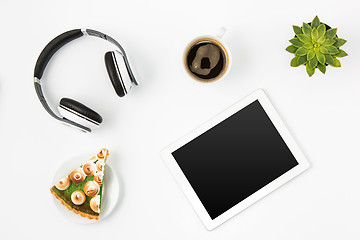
206, 60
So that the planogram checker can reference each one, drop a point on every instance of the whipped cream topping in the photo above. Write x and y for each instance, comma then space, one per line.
95, 204
91, 189
100, 165
89, 168
100, 155
78, 197
77, 175
98, 178
63, 184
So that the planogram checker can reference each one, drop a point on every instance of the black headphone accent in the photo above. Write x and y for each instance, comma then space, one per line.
72, 105
115, 77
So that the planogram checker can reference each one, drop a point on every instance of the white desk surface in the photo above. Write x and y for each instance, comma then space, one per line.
322, 113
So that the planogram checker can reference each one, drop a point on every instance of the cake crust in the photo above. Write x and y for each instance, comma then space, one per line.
89, 216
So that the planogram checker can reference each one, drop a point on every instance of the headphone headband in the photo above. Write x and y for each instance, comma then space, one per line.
52, 47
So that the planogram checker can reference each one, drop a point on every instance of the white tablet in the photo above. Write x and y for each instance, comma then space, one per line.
234, 159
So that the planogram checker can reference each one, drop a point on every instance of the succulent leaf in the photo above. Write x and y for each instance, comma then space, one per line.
336, 63
304, 38
310, 71
294, 61
341, 53
332, 50
331, 33
316, 22
306, 29
320, 57
308, 46
323, 50
291, 49
328, 42
301, 51
329, 59
321, 40
296, 42
339, 42
321, 30
311, 54
297, 30
302, 60
314, 34
322, 68
313, 62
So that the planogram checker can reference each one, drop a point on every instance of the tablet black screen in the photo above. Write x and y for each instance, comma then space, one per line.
234, 159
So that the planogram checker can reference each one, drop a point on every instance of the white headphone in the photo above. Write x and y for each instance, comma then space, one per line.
72, 112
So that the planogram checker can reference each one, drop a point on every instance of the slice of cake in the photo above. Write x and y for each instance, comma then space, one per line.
81, 190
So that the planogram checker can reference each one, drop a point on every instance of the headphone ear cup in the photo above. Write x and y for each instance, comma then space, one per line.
114, 73
79, 113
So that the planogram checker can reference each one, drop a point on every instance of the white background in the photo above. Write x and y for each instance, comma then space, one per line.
322, 113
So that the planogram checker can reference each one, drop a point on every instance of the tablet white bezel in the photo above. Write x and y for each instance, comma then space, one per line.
171, 163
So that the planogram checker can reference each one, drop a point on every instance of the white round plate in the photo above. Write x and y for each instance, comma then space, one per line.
111, 190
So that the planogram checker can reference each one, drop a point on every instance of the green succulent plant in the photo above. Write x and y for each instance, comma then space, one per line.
316, 46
